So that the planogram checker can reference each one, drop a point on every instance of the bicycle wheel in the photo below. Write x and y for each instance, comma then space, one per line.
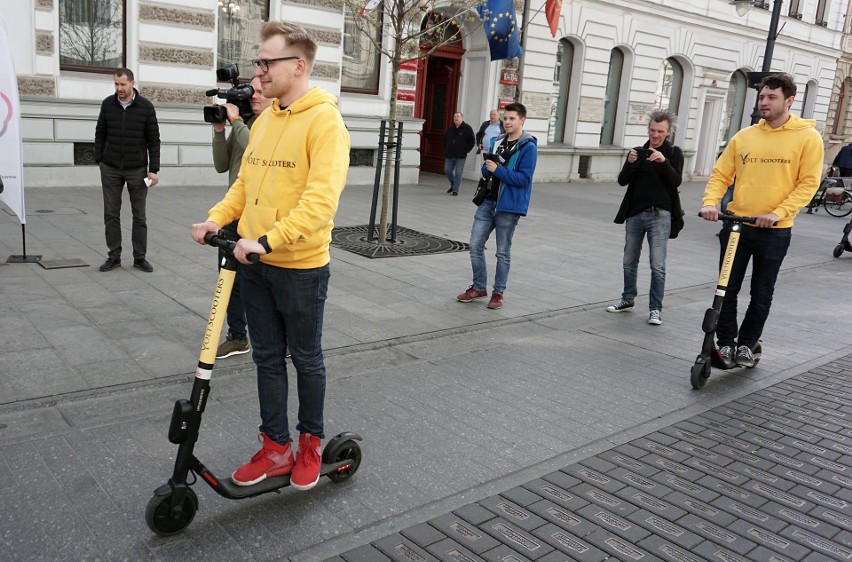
839, 208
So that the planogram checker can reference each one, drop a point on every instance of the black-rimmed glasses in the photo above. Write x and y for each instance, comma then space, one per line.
263, 64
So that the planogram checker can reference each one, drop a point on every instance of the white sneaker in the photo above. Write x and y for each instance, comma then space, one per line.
654, 318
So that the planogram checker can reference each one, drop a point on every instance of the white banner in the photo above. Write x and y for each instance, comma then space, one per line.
11, 149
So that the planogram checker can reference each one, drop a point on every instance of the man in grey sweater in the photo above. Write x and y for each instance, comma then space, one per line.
227, 157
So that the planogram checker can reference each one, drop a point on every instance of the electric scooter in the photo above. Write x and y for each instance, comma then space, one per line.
173, 505
710, 355
844, 244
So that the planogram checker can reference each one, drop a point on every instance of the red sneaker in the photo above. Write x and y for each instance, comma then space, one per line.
272, 460
308, 460
496, 300
471, 294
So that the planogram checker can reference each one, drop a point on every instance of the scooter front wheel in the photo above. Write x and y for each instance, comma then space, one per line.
163, 521
700, 372
838, 250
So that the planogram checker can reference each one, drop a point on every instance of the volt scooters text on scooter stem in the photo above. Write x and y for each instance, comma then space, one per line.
173, 505
709, 352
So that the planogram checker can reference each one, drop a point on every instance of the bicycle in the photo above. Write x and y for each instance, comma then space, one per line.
833, 194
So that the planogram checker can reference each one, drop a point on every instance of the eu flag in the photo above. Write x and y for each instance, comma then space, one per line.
501, 28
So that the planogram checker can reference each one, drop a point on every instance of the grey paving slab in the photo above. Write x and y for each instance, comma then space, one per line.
528, 409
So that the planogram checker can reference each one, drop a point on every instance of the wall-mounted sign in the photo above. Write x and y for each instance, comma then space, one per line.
637, 113
408, 65
504, 102
509, 76
405, 95
539, 106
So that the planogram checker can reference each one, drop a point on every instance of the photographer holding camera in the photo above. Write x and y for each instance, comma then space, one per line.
651, 205
509, 167
227, 157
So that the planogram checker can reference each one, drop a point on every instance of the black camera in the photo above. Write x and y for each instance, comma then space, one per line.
496, 158
239, 95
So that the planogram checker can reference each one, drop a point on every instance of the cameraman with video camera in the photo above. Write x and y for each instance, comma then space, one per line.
227, 157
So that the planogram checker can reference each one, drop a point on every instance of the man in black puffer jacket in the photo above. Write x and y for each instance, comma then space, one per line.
127, 149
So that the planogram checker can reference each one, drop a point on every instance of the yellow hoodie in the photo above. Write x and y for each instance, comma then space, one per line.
776, 170
291, 177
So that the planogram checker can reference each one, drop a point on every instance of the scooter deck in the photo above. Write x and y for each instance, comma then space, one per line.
226, 486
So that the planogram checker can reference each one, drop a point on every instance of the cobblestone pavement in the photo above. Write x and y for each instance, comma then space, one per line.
764, 477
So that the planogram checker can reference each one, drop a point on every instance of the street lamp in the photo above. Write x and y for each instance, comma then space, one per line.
754, 78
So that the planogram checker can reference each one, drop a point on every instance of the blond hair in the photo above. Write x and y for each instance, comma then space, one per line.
294, 35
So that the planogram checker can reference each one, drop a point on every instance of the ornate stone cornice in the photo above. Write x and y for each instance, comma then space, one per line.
42, 86
325, 35
334, 5
44, 42
326, 70
185, 17
160, 54
182, 95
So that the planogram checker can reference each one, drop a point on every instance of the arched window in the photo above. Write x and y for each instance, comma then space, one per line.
822, 13
809, 100
842, 107
669, 85
561, 81
734, 106
613, 86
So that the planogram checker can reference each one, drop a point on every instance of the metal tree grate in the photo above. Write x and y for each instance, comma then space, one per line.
408, 243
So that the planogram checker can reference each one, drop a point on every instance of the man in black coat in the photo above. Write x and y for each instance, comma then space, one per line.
127, 149
458, 141
651, 208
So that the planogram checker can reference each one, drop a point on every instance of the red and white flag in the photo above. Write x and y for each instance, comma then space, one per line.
551, 10
369, 5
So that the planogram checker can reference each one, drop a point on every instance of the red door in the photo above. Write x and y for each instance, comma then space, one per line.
439, 85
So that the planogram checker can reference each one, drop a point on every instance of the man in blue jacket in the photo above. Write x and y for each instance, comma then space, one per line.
509, 173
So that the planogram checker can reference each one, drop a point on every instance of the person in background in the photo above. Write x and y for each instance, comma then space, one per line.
488, 130
458, 141
227, 156
651, 207
127, 149
510, 175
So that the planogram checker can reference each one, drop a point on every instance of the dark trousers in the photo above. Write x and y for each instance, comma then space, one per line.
112, 182
766, 248
285, 307
236, 312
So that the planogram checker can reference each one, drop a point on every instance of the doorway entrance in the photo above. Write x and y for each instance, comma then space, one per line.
437, 96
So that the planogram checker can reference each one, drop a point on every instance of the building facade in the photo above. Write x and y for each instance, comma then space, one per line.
588, 89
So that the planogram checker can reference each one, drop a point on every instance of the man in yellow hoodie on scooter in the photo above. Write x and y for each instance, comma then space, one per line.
286, 195
777, 164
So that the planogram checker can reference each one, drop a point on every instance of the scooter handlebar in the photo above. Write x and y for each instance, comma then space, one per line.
216, 239
734, 218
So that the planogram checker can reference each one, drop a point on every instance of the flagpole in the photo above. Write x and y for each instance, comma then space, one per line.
526, 16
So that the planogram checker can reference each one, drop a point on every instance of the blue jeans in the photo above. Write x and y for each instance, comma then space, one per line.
766, 247
285, 306
236, 313
453, 168
487, 219
657, 225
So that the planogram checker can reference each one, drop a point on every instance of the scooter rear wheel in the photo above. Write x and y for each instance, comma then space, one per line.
161, 520
347, 451
700, 372
838, 250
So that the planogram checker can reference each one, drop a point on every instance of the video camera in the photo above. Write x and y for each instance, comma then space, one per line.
239, 95
494, 157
